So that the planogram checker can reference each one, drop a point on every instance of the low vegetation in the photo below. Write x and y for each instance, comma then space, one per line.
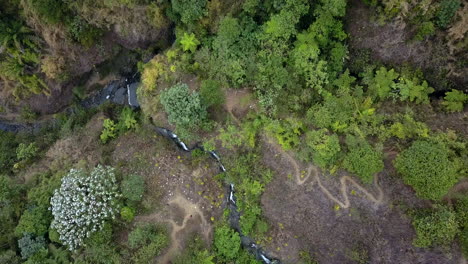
307, 92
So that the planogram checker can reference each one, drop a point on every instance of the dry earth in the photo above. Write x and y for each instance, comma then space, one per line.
338, 220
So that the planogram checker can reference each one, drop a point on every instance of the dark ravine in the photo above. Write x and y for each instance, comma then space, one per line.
123, 92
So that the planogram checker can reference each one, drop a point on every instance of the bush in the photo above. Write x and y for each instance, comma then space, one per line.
454, 100
8, 146
83, 33
461, 210
148, 240
127, 213
325, 148
227, 243
286, 132
29, 245
34, 221
127, 120
54, 67
363, 160
183, 108
427, 167
438, 227
83, 203
446, 11
152, 72
195, 252
26, 152
425, 29
189, 10
211, 93
9, 257
133, 187
52, 11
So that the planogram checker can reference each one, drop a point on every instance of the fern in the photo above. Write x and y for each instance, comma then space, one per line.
109, 131
454, 100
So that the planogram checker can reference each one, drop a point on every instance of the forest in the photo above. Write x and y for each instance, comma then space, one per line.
233, 132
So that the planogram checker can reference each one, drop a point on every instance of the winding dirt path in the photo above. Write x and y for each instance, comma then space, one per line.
191, 210
302, 178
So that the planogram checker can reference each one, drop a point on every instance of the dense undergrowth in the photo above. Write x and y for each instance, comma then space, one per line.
337, 113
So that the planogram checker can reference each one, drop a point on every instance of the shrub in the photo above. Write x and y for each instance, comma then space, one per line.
29, 245
227, 243
461, 210
10, 257
195, 252
133, 187
446, 11
211, 93
426, 166
8, 146
425, 29
183, 108
363, 160
286, 132
189, 10
127, 213
127, 120
152, 72
52, 11
26, 152
83, 33
148, 240
54, 67
109, 131
83, 203
454, 100
438, 227
325, 148
34, 221
99, 248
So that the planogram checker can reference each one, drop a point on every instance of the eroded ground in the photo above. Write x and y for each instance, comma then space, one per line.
337, 220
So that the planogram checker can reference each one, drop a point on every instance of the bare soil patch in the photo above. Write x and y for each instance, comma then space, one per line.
181, 191
304, 217
392, 44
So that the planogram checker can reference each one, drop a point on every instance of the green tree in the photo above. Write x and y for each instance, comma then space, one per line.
446, 11
428, 168
133, 187
438, 227
211, 93
34, 221
189, 10
8, 145
227, 243
52, 11
325, 148
362, 159
29, 245
184, 109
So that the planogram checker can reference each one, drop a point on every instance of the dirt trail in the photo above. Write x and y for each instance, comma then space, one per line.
302, 178
191, 210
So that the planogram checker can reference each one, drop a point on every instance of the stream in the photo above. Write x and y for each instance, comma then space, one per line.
123, 92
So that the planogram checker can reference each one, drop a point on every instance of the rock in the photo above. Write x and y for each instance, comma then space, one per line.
132, 95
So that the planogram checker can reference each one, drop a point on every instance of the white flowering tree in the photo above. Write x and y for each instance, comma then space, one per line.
82, 204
